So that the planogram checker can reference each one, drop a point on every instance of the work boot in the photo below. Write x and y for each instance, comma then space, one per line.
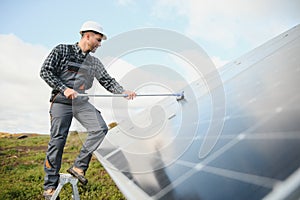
78, 173
49, 193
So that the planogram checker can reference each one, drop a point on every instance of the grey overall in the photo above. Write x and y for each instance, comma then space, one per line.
61, 118
76, 74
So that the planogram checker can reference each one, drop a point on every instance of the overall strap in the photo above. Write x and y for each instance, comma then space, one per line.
71, 55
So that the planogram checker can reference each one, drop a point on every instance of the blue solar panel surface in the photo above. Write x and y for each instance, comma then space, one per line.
257, 150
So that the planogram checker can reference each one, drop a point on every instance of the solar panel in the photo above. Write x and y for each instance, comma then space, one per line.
257, 154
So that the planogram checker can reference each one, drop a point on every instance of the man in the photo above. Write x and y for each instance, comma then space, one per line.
70, 70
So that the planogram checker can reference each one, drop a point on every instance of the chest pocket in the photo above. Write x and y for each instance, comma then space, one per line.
78, 74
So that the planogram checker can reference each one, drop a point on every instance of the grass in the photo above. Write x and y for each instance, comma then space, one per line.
22, 173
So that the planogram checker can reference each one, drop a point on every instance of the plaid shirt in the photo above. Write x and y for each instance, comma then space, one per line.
58, 58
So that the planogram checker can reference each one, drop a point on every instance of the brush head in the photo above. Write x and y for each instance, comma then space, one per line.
180, 96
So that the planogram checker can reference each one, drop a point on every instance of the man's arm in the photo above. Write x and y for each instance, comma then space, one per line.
106, 80
50, 72
50, 68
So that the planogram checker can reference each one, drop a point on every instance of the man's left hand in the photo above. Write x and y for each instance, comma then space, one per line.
130, 94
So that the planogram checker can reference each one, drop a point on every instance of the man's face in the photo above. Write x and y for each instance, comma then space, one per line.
94, 41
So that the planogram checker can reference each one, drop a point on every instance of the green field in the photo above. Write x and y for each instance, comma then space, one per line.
22, 171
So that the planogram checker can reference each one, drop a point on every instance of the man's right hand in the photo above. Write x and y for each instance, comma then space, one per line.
70, 93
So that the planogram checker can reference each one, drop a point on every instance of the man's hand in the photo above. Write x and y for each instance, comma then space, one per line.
70, 93
130, 94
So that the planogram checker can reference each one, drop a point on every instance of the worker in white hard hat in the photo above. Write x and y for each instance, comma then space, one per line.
70, 70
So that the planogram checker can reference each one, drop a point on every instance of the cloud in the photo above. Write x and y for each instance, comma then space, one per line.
24, 103
232, 23
24, 96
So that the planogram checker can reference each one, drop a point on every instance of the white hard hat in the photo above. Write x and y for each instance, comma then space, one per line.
92, 26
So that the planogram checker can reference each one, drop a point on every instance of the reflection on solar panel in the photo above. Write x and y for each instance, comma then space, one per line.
257, 154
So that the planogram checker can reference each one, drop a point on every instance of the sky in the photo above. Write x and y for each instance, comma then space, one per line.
225, 30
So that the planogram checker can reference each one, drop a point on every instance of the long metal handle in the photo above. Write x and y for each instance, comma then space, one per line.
125, 95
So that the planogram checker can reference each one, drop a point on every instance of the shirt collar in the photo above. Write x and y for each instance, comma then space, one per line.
79, 51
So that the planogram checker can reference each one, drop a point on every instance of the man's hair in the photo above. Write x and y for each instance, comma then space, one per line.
83, 32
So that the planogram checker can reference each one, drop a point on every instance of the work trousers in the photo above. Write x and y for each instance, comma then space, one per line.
61, 118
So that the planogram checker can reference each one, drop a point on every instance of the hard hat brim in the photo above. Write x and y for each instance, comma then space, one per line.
104, 37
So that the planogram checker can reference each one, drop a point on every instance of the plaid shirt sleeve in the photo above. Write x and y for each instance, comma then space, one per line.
106, 80
51, 66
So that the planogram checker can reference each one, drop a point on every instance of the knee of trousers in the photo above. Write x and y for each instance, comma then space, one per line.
57, 143
96, 137
99, 128
102, 131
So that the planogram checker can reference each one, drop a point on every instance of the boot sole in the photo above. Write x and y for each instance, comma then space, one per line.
81, 178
